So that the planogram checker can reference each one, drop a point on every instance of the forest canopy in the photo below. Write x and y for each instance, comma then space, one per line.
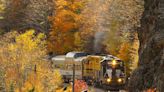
30, 30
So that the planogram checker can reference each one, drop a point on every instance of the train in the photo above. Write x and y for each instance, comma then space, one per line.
105, 70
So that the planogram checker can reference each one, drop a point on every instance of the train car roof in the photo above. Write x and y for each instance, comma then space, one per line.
66, 59
59, 58
74, 53
71, 54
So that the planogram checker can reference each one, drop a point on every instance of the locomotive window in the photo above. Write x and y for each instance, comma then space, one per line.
56, 66
86, 61
118, 72
120, 62
109, 72
59, 66
69, 67
78, 67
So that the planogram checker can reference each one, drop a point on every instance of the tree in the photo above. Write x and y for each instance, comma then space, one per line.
37, 13
26, 14
42, 80
2, 82
124, 17
2, 7
22, 61
92, 28
105, 24
14, 14
65, 23
125, 55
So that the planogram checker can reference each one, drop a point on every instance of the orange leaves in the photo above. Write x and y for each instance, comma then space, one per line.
63, 42
65, 23
65, 20
151, 90
60, 3
124, 52
80, 86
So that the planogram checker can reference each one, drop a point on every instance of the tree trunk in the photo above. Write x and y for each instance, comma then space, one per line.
150, 73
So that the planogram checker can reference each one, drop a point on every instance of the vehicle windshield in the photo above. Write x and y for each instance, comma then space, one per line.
110, 73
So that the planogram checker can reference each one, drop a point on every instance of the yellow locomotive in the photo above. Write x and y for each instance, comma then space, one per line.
91, 68
106, 71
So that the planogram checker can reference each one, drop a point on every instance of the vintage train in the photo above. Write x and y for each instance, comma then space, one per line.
102, 70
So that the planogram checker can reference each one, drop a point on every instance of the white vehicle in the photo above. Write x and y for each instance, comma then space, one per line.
65, 65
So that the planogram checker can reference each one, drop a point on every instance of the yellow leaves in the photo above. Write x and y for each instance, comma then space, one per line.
40, 36
27, 87
59, 90
26, 45
18, 55
32, 83
61, 3
38, 80
68, 4
2, 7
57, 79
26, 40
124, 52
12, 47
78, 42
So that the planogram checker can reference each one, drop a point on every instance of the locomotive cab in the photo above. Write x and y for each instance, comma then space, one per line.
113, 74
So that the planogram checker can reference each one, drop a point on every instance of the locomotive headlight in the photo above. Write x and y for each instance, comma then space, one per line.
119, 80
109, 80
114, 62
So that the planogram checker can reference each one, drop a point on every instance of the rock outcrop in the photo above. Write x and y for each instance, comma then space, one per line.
150, 73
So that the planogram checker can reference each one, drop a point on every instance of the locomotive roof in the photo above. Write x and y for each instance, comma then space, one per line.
80, 59
109, 57
94, 56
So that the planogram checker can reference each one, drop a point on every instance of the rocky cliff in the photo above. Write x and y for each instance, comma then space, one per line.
150, 73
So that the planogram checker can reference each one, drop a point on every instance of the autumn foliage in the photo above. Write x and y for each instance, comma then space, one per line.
65, 23
22, 63
80, 85
92, 26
